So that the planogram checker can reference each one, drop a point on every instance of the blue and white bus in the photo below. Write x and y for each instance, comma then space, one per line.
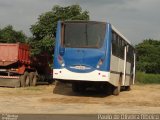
90, 53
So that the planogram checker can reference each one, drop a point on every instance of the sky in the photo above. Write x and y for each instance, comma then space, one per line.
135, 19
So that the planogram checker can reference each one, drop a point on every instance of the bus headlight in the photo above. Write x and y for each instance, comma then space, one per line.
63, 65
100, 63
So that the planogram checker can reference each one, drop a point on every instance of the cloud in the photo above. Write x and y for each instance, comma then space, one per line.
96, 2
23, 13
136, 19
4, 4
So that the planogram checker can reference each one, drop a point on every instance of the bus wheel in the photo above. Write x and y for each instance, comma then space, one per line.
24, 79
33, 78
116, 90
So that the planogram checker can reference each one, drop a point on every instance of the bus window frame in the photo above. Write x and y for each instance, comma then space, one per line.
63, 34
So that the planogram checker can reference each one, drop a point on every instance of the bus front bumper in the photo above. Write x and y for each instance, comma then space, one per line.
95, 75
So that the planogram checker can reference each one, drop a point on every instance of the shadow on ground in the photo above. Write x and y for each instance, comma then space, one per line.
66, 89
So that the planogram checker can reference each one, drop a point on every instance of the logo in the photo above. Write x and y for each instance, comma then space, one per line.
80, 67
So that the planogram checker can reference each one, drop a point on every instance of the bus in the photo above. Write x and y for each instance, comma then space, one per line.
93, 54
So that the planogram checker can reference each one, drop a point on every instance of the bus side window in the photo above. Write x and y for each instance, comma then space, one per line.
130, 57
113, 43
118, 45
121, 49
130, 54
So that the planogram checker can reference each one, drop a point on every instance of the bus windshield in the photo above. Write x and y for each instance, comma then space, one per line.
84, 34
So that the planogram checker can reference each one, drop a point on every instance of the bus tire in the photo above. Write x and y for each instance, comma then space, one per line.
117, 89
33, 78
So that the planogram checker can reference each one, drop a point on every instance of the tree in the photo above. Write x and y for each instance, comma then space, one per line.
148, 56
44, 29
9, 35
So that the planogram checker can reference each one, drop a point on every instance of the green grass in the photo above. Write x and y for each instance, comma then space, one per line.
145, 78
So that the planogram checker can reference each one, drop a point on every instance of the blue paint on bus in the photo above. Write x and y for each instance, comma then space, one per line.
57, 46
87, 59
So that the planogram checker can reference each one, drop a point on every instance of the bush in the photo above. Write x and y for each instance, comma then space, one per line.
146, 78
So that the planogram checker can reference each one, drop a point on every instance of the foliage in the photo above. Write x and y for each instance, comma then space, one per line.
9, 35
44, 29
148, 56
144, 78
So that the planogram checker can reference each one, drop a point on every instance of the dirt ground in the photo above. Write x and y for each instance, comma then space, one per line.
51, 99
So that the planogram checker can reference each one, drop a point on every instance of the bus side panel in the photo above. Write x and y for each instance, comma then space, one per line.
121, 61
116, 69
117, 65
